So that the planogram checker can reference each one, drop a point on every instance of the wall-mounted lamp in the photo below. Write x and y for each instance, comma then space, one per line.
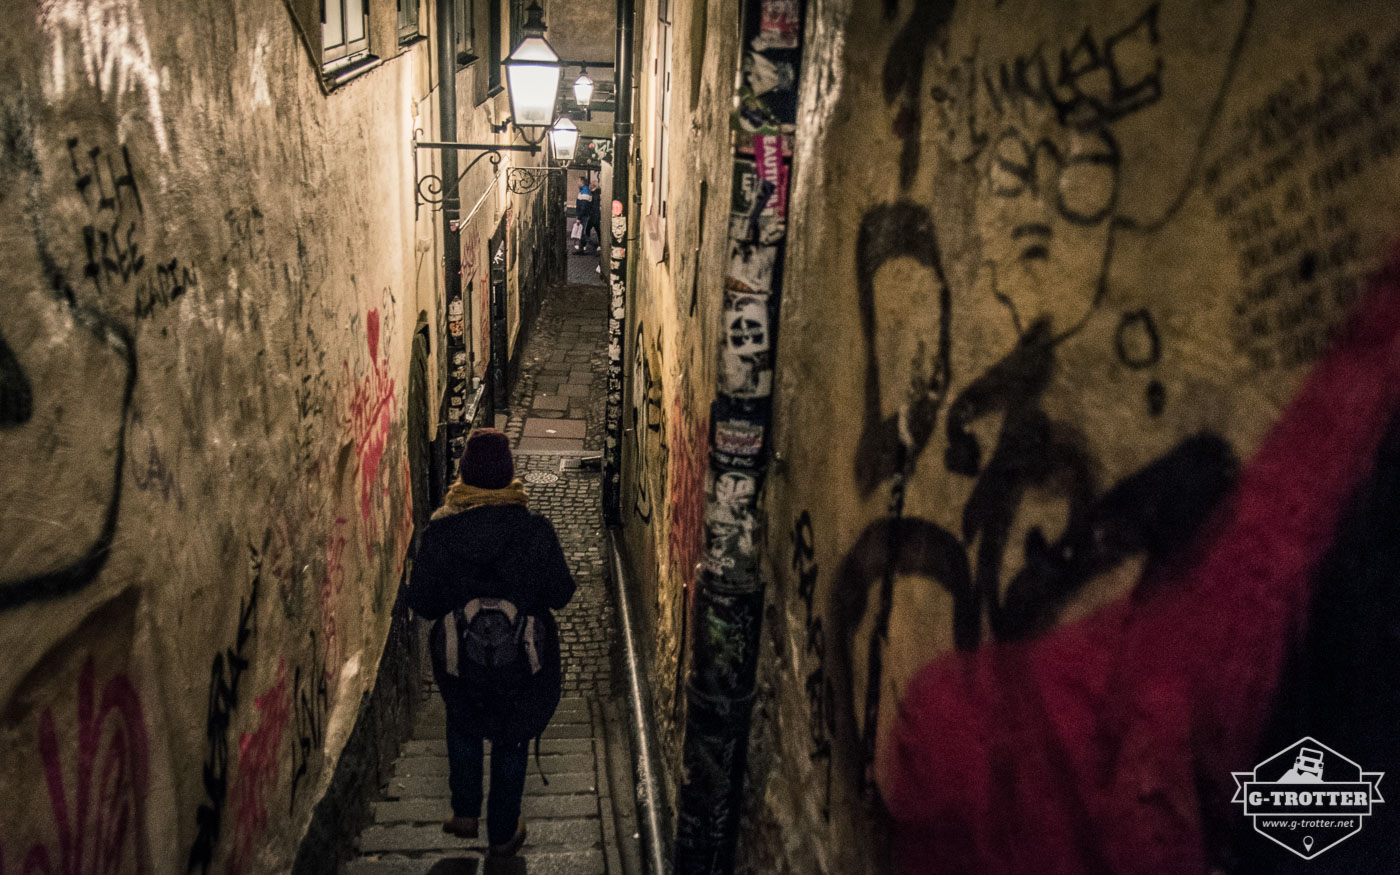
583, 89
563, 139
532, 77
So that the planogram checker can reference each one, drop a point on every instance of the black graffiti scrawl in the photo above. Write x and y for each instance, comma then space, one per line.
67, 374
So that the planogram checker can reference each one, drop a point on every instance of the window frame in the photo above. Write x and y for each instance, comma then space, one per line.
464, 40
494, 82
662, 76
410, 17
345, 53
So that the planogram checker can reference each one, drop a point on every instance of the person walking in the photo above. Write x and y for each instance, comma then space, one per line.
489, 572
586, 211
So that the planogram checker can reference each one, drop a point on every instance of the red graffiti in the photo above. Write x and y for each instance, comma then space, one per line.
686, 467
1102, 745
258, 761
332, 583
100, 829
471, 255
372, 408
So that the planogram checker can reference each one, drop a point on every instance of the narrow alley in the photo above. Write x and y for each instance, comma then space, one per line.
556, 419
760, 437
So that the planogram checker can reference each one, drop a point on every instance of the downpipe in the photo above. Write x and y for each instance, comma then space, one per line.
655, 858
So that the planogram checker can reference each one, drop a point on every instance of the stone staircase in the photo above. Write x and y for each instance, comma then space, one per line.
570, 820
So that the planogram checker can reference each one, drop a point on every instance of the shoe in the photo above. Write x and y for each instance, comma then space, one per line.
510, 848
462, 827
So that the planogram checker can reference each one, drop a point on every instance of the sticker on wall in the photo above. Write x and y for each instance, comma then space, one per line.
754, 209
768, 161
736, 438
751, 266
779, 25
455, 322
727, 624
763, 74
746, 361
731, 525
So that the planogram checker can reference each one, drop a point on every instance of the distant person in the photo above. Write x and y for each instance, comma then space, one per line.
586, 211
489, 572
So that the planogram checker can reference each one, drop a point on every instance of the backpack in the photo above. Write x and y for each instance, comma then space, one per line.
493, 646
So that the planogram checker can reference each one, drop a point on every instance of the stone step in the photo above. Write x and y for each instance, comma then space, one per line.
435, 786
424, 766
426, 731
437, 747
575, 834
534, 863
434, 811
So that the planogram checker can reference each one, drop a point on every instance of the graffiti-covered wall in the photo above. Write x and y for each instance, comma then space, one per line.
1087, 492
674, 305
209, 281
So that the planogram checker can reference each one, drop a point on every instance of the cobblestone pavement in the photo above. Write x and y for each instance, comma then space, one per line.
583, 269
573, 825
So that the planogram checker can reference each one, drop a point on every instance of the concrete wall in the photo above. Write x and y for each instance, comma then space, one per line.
213, 271
1056, 274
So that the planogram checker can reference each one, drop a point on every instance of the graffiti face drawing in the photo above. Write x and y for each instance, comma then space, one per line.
1044, 215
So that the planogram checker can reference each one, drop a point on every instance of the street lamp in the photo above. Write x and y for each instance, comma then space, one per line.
563, 139
532, 77
583, 89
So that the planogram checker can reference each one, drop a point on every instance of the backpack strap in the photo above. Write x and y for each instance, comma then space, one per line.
530, 649
449, 628
538, 765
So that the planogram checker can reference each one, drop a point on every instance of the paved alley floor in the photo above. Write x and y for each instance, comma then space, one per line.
578, 823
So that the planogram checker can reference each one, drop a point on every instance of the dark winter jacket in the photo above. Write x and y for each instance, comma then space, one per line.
495, 551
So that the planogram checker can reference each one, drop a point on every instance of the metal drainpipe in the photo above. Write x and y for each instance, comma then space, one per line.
646, 760
451, 200
617, 263
729, 590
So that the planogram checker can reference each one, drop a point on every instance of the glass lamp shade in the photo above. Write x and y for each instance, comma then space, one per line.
583, 90
532, 74
563, 139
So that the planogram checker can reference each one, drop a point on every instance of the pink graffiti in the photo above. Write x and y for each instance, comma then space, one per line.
372, 408
1110, 734
686, 476
258, 762
101, 828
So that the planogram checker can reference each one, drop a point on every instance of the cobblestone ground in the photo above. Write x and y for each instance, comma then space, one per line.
571, 821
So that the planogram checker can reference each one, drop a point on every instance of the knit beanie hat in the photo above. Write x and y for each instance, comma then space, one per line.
486, 461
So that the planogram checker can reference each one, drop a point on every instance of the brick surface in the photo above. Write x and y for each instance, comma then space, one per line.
563, 371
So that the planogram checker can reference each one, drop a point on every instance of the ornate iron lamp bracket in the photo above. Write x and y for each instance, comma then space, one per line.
430, 189
523, 180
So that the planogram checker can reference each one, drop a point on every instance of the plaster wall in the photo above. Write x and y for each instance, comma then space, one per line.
582, 31
1056, 272
213, 271
670, 338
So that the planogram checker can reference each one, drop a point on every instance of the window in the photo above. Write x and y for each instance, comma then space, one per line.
517, 22
408, 21
344, 32
465, 16
493, 36
661, 116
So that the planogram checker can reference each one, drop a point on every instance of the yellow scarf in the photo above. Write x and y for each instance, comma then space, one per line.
465, 497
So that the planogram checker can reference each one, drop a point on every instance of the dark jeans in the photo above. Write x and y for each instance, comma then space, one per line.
465, 749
